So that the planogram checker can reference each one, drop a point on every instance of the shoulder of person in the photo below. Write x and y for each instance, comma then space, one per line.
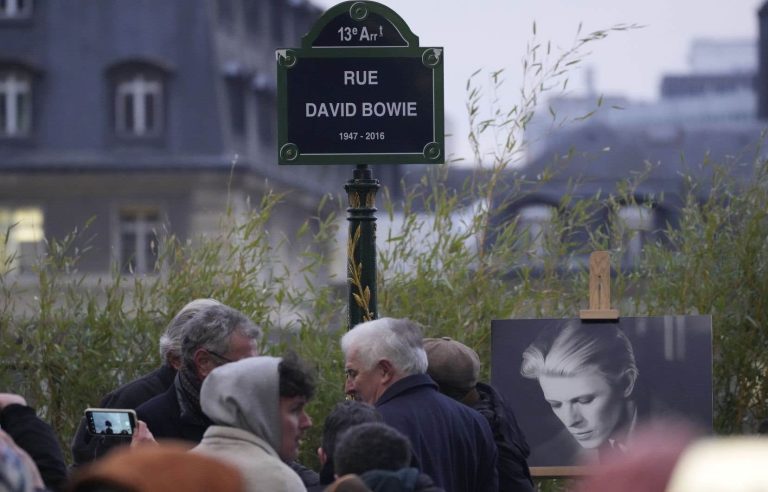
163, 400
138, 391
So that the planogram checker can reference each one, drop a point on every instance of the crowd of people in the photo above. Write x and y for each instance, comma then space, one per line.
216, 415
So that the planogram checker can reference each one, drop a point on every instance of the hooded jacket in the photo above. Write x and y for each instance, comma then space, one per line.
243, 400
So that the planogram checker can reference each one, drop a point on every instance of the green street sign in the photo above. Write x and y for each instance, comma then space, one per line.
360, 90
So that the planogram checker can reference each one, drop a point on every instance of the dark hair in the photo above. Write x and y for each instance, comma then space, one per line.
763, 427
297, 378
170, 340
212, 328
371, 446
343, 416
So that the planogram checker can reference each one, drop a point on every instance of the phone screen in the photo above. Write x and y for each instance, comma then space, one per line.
110, 421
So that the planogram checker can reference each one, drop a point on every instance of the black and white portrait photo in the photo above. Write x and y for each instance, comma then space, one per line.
581, 388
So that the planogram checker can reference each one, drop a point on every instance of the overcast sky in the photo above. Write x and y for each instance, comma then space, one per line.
492, 34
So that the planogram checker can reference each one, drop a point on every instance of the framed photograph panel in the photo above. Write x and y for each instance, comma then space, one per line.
581, 388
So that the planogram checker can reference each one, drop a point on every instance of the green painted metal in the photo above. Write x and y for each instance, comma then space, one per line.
361, 256
372, 41
360, 91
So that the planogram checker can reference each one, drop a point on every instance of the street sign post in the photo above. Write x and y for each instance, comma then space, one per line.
360, 91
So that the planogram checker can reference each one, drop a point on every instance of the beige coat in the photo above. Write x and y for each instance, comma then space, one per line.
257, 461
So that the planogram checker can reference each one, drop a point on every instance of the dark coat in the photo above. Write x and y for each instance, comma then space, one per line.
37, 438
452, 443
514, 475
163, 417
309, 477
86, 447
405, 480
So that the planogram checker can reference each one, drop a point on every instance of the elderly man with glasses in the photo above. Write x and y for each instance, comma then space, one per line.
214, 336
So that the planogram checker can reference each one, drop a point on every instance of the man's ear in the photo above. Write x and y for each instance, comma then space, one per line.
203, 363
387, 370
174, 361
322, 456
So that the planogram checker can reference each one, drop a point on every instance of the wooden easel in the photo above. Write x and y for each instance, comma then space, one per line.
599, 289
599, 310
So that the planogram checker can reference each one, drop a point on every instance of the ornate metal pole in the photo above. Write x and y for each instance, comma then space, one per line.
361, 248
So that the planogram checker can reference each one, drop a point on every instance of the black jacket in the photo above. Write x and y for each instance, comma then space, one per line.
86, 447
163, 416
404, 480
514, 475
38, 439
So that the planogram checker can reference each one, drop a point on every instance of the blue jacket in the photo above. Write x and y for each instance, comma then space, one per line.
452, 443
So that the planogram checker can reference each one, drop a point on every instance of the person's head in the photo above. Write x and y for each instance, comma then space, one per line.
215, 335
371, 446
343, 416
297, 387
587, 373
262, 395
454, 366
378, 353
170, 340
156, 469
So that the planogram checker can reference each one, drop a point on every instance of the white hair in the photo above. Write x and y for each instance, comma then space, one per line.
397, 340
170, 340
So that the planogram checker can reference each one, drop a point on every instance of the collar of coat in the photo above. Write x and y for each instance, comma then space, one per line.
406, 384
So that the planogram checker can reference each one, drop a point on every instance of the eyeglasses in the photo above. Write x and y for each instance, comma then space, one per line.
219, 356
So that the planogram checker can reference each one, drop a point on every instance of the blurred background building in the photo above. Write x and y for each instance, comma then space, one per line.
706, 117
140, 115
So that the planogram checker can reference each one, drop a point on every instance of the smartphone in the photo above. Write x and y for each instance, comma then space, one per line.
110, 421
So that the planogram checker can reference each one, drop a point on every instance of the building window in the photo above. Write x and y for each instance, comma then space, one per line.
236, 89
253, 10
21, 238
277, 18
226, 14
11, 9
139, 105
636, 223
138, 240
266, 115
15, 103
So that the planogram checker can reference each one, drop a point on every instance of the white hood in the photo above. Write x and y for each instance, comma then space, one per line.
245, 395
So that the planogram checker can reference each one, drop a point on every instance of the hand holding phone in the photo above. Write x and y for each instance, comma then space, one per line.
110, 422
